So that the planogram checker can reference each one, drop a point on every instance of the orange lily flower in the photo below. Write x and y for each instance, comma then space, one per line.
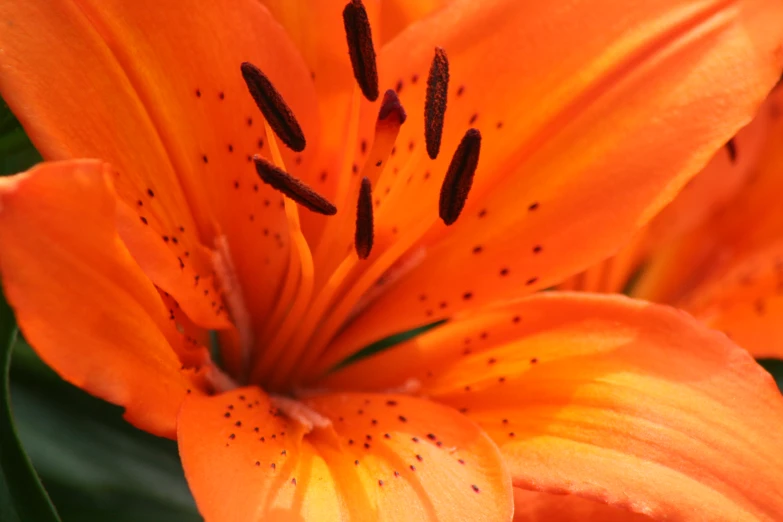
715, 250
119, 267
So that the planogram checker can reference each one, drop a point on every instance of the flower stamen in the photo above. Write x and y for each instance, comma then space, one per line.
391, 116
363, 238
229, 285
360, 48
273, 107
297, 411
459, 177
435, 102
293, 188
391, 107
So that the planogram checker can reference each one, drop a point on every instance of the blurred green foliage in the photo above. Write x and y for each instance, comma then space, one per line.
95, 466
16, 151
774, 367
22, 497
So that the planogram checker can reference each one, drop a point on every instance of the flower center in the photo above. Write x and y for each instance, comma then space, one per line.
283, 124
295, 410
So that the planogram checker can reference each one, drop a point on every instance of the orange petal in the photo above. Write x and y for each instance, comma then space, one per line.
383, 457
163, 262
745, 301
154, 87
80, 299
620, 401
751, 220
611, 275
397, 15
584, 140
722, 179
532, 506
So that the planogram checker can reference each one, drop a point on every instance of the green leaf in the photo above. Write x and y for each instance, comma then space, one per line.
775, 368
22, 497
17, 153
95, 465
386, 343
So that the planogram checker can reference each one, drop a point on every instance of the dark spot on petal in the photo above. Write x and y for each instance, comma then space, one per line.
731, 148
